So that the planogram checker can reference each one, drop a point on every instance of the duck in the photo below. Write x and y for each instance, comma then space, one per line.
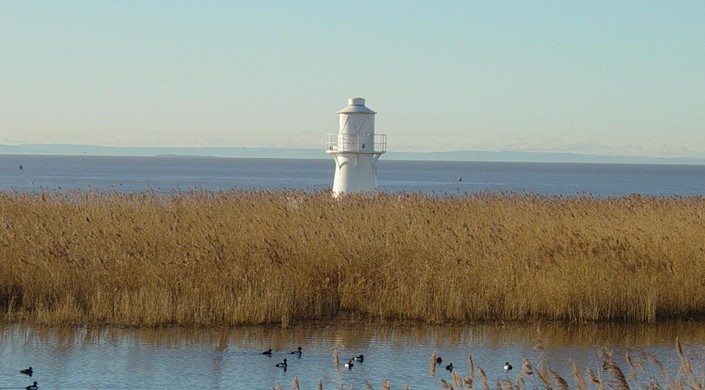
267, 352
450, 367
297, 352
439, 360
349, 364
27, 371
33, 386
359, 358
282, 364
507, 367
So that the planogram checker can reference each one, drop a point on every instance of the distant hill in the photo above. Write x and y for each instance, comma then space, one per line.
93, 150
551, 157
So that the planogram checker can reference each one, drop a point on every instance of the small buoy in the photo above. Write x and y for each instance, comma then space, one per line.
21, 167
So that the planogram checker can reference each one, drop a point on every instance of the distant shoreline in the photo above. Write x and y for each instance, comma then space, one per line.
311, 153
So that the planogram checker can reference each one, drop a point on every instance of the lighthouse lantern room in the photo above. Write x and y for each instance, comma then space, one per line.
355, 149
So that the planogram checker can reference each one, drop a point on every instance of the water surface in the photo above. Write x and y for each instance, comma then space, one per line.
117, 358
173, 174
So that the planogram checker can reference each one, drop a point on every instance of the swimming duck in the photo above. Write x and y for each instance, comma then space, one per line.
450, 367
297, 352
267, 352
359, 358
507, 367
439, 360
349, 364
27, 371
282, 364
33, 386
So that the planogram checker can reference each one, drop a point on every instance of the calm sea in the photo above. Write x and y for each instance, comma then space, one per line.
231, 358
32, 173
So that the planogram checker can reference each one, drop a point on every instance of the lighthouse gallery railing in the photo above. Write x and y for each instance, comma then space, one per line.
357, 143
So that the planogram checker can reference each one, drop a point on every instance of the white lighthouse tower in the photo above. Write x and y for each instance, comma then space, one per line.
355, 149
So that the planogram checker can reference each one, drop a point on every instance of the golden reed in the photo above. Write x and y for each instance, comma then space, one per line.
256, 257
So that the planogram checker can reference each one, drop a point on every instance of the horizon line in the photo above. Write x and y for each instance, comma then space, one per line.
312, 153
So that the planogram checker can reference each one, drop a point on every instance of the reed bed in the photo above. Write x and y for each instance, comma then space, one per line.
252, 257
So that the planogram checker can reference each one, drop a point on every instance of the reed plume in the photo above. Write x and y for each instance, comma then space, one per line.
446, 385
507, 384
628, 359
594, 379
561, 383
483, 378
538, 344
579, 380
619, 382
545, 378
685, 368
432, 364
526, 367
457, 378
471, 370
653, 385
632, 369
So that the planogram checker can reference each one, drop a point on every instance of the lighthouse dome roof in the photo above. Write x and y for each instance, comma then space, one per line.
356, 105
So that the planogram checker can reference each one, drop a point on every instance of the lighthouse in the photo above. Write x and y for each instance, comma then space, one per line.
355, 149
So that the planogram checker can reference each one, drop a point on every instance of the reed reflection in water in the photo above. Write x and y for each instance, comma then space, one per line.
118, 358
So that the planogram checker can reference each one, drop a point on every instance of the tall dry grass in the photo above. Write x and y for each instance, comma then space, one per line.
249, 257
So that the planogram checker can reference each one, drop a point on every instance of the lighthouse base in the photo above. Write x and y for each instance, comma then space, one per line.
355, 173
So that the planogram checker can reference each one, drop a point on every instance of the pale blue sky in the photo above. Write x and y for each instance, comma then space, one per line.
607, 77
